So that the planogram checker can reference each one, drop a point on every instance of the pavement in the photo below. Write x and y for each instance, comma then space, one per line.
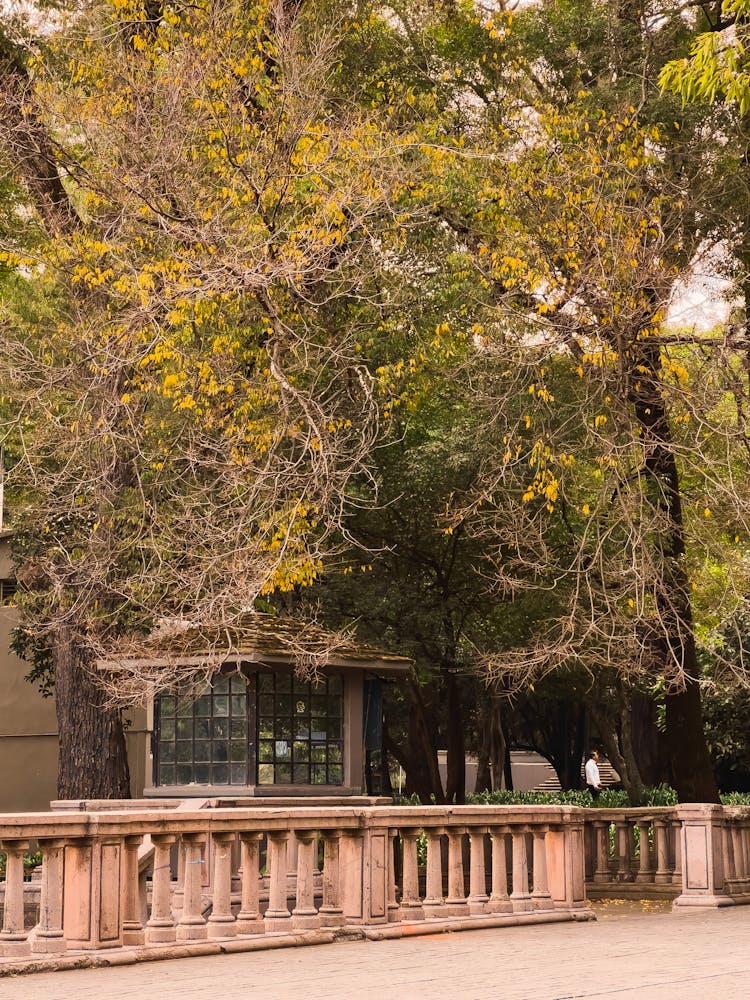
635, 951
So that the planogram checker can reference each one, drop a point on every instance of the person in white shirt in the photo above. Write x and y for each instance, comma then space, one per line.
593, 781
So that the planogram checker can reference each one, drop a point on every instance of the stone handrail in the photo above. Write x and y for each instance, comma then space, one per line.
234, 878
698, 853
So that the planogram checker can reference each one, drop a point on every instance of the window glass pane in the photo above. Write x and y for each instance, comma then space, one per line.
283, 729
283, 774
220, 684
238, 704
265, 682
202, 729
319, 704
265, 750
166, 753
184, 751
202, 750
265, 705
238, 728
184, 709
284, 704
239, 751
334, 729
301, 751
202, 774
184, 729
283, 682
282, 749
335, 774
220, 751
319, 774
220, 728
183, 774
166, 729
302, 729
166, 705
319, 728
203, 705
166, 774
265, 774
237, 684
220, 774
265, 728
221, 704
238, 774
334, 753
334, 684
301, 774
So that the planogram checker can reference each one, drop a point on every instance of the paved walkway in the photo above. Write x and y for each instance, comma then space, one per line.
627, 955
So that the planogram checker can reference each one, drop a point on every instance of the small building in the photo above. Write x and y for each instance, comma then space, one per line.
285, 712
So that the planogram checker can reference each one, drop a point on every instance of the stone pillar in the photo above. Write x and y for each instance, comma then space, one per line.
47, 937
278, 917
192, 924
520, 897
499, 901
133, 932
703, 862
602, 873
645, 871
478, 897
161, 927
331, 913
622, 846
304, 914
455, 902
540, 891
663, 874
411, 905
13, 937
249, 920
221, 923
434, 903
566, 863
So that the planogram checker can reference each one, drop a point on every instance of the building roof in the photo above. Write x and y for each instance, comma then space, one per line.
254, 638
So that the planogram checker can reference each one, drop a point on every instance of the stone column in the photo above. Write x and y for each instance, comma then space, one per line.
499, 901
434, 904
249, 920
192, 924
703, 862
411, 905
161, 927
133, 932
663, 874
645, 871
602, 873
622, 845
304, 914
278, 917
520, 897
221, 923
13, 937
540, 891
455, 901
331, 912
478, 897
47, 937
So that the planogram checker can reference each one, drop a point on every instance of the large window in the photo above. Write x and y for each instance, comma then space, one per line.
266, 728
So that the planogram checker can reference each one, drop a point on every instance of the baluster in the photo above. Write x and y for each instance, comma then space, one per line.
278, 917
455, 902
411, 906
221, 923
645, 869
677, 871
48, 937
540, 892
663, 874
434, 904
602, 851
520, 897
304, 914
133, 932
499, 901
13, 937
192, 924
730, 870
622, 829
738, 842
331, 912
249, 920
161, 926
394, 910
478, 897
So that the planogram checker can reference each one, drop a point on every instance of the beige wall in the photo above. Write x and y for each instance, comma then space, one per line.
28, 733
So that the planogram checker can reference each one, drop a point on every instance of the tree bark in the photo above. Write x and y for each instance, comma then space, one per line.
692, 768
455, 785
92, 760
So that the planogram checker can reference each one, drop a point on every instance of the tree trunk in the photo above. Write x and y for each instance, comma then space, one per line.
692, 769
92, 760
455, 785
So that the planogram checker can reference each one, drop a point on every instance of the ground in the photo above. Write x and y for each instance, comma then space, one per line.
634, 952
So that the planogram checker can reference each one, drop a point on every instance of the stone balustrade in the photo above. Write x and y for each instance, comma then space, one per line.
633, 852
242, 878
